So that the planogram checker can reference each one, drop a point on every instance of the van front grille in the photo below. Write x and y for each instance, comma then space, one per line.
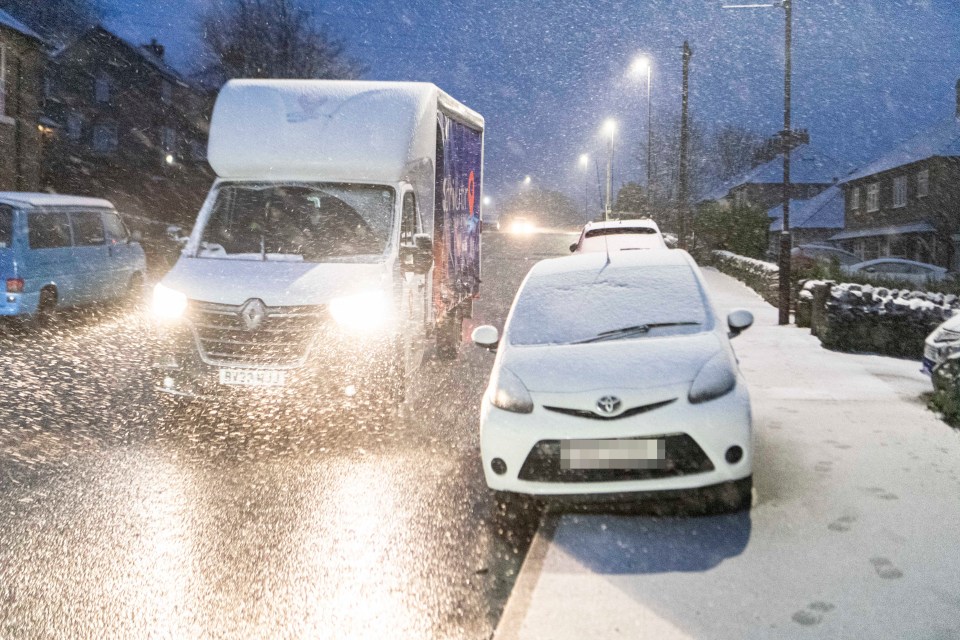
282, 339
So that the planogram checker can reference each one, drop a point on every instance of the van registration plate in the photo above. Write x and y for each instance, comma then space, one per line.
253, 377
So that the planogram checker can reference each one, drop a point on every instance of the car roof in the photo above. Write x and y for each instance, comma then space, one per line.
28, 199
821, 247
597, 260
644, 223
898, 261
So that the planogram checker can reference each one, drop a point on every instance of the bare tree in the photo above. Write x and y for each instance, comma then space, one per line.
272, 39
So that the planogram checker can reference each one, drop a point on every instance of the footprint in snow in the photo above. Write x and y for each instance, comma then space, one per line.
841, 524
813, 614
885, 568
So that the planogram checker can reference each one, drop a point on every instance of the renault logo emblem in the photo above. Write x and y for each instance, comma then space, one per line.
608, 404
253, 314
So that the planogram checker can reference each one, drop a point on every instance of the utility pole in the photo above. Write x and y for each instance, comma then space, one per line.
684, 137
606, 210
787, 148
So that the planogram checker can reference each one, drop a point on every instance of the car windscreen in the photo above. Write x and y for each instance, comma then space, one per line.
581, 306
299, 222
6, 226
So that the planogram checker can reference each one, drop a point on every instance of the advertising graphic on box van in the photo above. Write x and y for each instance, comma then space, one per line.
341, 234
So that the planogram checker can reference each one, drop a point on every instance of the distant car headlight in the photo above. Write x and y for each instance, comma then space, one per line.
522, 227
361, 312
507, 392
715, 379
168, 304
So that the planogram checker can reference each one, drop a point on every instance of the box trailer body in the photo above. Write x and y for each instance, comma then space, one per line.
403, 161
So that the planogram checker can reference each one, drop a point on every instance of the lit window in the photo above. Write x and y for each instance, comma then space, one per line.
873, 197
900, 191
923, 183
105, 138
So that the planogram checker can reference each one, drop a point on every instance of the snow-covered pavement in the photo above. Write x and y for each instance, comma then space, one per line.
854, 530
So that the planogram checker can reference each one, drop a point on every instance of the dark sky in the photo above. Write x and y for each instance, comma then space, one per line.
868, 73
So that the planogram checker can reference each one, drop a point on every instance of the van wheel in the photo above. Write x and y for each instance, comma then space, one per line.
47, 307
449, 331
134, 294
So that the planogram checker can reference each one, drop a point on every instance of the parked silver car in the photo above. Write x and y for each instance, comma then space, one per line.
898, 269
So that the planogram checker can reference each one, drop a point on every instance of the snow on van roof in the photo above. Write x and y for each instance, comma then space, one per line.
630, 222
333, 130
21, 198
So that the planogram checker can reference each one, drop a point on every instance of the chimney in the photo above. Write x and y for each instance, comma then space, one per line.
157, 49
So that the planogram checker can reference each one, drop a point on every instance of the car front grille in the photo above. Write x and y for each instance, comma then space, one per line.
282, 339
593, 415
682, 456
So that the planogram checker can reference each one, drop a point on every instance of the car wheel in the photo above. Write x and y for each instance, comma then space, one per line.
46, 308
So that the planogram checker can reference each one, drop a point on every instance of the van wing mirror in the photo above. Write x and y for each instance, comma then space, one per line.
419, 257
136, 235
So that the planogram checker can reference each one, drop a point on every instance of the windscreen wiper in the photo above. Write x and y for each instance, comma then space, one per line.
638, 329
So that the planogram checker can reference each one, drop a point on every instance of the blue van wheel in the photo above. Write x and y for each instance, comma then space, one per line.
47, 307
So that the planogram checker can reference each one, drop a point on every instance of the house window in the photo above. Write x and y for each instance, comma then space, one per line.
923, 183
105, 138
102, 87
900, 192
873, 197
74, 127
166, 92
855, 199
168, 138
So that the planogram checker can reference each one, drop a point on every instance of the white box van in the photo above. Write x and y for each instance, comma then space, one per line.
342, 232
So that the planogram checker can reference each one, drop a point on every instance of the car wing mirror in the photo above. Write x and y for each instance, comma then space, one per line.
573, 247
739, 321
486, 336
136, 236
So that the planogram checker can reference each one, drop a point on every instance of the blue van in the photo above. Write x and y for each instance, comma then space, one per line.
61, 251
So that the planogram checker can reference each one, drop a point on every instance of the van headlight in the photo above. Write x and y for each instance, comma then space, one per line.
361, 312
507, 392
715, 379
168, 304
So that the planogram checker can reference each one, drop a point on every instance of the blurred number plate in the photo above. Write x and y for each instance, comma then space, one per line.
611, 454
253, 377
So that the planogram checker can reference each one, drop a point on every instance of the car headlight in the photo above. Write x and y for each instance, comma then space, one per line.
168, 304
361, 312
507, 392
715, 379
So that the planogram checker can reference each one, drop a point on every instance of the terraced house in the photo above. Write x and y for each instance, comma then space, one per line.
21, 70
906, 204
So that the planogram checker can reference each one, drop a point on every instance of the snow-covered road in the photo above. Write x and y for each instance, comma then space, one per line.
853, 532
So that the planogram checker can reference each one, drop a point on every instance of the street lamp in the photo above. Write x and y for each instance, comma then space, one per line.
526, 181
787, 140
609, 130
585, 165
640, 65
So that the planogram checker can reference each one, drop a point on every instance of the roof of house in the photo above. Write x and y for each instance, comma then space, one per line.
807, 166
940, 140
823, 211
10, 22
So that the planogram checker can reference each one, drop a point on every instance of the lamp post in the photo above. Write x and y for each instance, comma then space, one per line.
788, 142
585, 165
609, 130
641, 64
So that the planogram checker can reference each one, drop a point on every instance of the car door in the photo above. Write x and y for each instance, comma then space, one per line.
123, 256
49, 256
95, 281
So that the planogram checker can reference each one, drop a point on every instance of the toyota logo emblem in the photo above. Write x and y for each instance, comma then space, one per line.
253, 313
608, 404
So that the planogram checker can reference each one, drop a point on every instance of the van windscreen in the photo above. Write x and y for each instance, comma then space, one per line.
6, 226
302, 222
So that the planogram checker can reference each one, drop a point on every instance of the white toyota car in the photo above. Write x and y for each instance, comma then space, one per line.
619, 235
614, 375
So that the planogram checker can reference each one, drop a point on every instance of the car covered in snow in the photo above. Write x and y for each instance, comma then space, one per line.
619, 235
615, 375
942, 343
808, 255
897, 269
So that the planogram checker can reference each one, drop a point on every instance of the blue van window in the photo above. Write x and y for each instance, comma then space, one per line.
49, 230
87, 228
116, 231
6, 226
